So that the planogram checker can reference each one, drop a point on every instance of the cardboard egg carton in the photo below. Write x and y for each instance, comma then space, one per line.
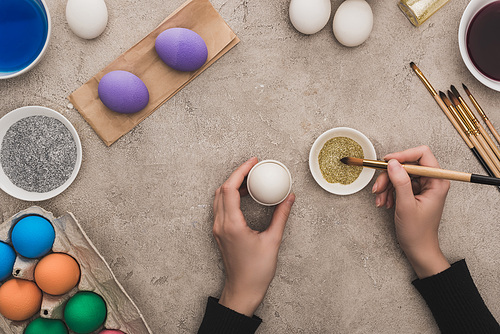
96, 276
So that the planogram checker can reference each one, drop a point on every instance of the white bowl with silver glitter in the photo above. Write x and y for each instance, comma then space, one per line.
337, 188
6, 184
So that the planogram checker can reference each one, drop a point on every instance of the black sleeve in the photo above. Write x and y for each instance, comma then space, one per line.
219, 319
456, 303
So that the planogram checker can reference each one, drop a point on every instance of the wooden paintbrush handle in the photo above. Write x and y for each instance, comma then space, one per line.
452, 119
489, 152
418, 170
485, 156
490, 142
437, 173
493, 130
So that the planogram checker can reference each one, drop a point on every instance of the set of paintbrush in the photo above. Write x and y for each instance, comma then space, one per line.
469, 128
467, 124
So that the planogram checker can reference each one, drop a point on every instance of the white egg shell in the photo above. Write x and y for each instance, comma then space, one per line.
353, 22
269, 182
310, 16
87, 18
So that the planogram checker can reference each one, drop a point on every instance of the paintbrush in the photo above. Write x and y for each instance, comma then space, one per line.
471, 115
428, 85
483, 114
474, 130
462, 131
441, 104
475, 147
418, 170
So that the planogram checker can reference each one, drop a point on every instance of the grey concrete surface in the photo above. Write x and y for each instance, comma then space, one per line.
146, 201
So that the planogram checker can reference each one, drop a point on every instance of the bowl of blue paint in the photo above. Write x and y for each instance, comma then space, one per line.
25, 30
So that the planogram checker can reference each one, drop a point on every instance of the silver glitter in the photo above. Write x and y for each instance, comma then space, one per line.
38, 153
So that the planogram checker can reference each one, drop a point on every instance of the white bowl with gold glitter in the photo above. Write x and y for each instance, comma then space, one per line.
338, 188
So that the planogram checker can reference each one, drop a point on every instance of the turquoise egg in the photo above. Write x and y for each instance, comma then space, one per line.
33, 236
7, 259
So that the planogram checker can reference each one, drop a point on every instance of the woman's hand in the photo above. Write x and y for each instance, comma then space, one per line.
419, 206
250, 257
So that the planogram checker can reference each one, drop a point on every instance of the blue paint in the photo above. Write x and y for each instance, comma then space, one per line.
23, 32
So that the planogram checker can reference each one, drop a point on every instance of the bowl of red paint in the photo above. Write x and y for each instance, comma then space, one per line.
479, 41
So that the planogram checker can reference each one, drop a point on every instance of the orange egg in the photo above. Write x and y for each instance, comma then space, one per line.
19, 299
57, 273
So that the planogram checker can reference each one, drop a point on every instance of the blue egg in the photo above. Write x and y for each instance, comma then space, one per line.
7, 259
33, 236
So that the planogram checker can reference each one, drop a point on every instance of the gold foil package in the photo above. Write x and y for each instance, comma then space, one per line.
417, 11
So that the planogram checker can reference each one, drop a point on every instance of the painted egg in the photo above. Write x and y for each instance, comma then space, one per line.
123, 92
181, 49
7, 259
87, 18
33, 236
111, 331
353, 22
19, 299
85, 312
46, 326
57, 273
310, 16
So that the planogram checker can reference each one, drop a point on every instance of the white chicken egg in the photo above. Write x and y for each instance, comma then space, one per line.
269, 182
353, 22
87, 18
310, 16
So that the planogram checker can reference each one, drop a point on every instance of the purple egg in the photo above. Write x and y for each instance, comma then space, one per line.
123, 92
182, 49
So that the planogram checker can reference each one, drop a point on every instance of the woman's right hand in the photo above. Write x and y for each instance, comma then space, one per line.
419, 206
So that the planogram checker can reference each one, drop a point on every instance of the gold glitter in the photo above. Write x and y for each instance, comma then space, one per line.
332, 169
417, 11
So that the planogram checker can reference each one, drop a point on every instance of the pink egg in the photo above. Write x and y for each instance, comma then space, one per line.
111, 331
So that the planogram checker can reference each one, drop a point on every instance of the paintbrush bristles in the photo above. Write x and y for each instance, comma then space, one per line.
453, 98
455, 91
466, 89
444, 98
352, 161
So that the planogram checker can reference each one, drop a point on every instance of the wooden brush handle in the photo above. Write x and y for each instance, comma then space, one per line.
418, 170
437, 173
492, 129
490, 142
489, 152
452, 120
485, 156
